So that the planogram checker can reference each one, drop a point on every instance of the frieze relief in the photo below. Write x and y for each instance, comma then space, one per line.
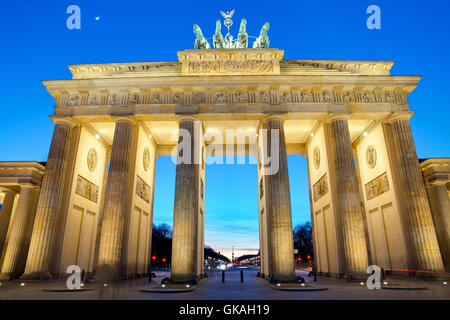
115, 98
320, 188
231, 66
142, 189
235, 96
377, 186
134, 98
86, 189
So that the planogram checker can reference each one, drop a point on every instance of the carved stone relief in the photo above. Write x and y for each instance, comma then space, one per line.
86, 189
371, 156
115, 98
92, 158
239, 96
146, 159
320, 188
142, 189
220, 97
316, 157
135, 98
74, 100
377, 186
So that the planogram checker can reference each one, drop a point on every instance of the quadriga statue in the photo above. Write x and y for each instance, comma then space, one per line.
218, 40
242, 40
263, 40
200, 41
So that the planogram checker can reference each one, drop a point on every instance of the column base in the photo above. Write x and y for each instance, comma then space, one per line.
36, 276
8, 276
184, 279
356, 276
284, 278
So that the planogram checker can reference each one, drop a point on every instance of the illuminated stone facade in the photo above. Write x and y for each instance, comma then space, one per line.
350, 119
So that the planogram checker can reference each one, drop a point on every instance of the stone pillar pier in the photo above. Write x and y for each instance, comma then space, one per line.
116, 201
279, 207
16, 235
421, 227
186, 207
349, 200
5, 216
44, 232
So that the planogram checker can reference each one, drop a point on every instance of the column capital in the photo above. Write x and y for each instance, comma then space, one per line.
181, 118
337, 116
269, 117
406, 115
70, 121
128, 119
27, 185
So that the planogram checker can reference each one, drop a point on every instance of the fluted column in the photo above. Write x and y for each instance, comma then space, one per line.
116, 201
5, 216
421, 226
349, 200
16, 234
279, 206
440, 210
185, 216
47, 214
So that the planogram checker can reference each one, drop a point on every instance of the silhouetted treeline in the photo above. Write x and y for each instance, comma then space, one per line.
209, 252
161, 244
247, 256
303, 240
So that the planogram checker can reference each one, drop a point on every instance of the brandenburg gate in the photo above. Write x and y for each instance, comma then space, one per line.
370, 202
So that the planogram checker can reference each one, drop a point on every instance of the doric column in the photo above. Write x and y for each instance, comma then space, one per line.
5, 216
186, 207
279, 205
16, 234
47, 214
421, 226
440, 209
116, 201
349, 200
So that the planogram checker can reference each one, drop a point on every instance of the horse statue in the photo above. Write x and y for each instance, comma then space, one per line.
263, 40
242, 40
200, 41
218, 40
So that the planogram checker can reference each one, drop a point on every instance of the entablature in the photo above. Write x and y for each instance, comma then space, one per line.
236, 91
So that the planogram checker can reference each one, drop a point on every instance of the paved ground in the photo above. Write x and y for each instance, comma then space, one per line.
233, 289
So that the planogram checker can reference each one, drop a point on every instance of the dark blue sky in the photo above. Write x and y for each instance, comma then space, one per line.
36, 45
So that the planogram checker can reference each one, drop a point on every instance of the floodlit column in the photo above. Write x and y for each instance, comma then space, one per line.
279, 205
5, 216
349, 200
16, 235
116, 200
421, 228
47, 214
440, 209
186, 207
